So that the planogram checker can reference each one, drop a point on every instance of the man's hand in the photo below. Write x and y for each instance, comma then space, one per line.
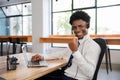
73, 45
37, 57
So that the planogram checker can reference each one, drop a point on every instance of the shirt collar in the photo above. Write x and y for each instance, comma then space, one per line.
84, 38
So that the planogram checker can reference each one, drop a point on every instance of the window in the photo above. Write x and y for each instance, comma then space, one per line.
104, 16
108, 20
15, 25
2, 23
16, 19
83, 3
27, 9
11, 10
61, 5
27, 25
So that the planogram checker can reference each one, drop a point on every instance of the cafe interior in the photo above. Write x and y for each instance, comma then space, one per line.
43, 27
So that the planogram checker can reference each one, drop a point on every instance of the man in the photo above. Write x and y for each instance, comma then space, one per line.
84, 57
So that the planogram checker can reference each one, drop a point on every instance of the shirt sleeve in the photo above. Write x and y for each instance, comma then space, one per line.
62, 53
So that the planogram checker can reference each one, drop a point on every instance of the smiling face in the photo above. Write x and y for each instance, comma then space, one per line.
79, 28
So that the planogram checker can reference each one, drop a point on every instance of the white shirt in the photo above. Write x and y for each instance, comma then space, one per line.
84, 60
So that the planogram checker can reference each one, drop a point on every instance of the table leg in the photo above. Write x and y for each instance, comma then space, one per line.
1, 51
14, 47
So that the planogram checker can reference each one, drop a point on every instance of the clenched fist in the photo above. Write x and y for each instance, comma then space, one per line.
73, 45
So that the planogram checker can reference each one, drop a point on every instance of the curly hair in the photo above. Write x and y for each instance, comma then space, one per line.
80, 15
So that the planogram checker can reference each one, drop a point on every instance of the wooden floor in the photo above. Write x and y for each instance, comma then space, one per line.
114, 75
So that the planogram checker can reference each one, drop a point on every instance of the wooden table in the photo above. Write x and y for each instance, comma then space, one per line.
111, 39
6, 39
22, 38
24, 73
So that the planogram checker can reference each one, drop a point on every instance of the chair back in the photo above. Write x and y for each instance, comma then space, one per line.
102, 44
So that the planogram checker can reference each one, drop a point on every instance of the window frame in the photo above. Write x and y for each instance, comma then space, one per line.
72, 10
16, 15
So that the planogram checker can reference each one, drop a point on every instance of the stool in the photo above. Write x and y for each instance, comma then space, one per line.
15, 42
2, 46
21, 44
